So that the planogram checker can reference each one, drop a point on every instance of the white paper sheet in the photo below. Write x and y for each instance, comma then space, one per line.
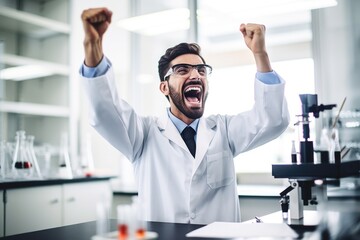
244, 230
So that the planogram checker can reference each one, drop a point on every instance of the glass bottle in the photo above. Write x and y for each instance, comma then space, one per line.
22, 166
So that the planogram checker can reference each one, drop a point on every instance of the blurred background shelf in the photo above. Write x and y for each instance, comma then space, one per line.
31, 24
34, 109
15, 60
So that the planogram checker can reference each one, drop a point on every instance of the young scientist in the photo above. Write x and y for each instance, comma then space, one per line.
182, 182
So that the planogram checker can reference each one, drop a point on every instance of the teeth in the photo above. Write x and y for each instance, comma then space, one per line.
193, 89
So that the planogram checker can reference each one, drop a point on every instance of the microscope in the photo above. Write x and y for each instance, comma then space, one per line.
305, 176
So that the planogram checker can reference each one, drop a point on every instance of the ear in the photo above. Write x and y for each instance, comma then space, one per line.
164, 87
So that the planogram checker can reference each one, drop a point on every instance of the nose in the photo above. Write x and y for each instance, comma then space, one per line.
194, 74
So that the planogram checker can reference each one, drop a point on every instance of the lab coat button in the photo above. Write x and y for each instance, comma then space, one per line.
192, 215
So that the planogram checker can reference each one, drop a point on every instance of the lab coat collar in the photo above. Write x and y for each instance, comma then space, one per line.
205, 134
170, 131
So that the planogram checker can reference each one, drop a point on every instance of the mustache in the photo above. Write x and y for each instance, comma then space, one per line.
194, 82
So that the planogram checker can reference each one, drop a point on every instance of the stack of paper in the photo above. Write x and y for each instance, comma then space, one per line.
244, 230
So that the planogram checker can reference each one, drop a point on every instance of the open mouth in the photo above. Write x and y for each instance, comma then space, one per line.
193, 96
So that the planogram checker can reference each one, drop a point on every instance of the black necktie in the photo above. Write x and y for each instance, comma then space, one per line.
188, 135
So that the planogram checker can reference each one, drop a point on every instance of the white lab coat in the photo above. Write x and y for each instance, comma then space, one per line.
172, 185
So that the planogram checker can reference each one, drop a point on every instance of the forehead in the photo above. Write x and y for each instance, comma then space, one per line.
187, 58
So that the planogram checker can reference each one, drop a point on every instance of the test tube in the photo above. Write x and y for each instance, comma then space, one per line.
101, 219
124, 221
293, 152
140, 228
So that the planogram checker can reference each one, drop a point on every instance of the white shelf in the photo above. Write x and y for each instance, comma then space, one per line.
38, 36
34, 109
30, 24
56, 68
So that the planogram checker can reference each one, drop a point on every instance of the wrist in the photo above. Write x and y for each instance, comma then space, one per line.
93, 52
262, 62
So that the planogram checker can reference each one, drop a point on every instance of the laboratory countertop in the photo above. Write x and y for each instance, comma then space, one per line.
264, 191
178, 231
85, 231
12, 184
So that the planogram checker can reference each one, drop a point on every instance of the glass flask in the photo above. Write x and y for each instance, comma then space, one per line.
22, 167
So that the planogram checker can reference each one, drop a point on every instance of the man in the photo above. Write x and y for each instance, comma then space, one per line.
177, 181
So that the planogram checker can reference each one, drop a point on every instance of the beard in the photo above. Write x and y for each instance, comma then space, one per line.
192, 113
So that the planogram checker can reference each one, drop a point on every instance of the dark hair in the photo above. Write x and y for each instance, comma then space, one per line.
174, 52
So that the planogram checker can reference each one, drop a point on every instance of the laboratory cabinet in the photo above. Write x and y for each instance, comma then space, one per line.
41, 207
35, 66
35, 208
80, 200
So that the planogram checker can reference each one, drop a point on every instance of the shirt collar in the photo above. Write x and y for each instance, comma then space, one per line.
180, 125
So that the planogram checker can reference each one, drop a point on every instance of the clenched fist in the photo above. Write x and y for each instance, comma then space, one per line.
254, 36
95, 22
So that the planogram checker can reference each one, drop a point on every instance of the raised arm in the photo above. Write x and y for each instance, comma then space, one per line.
95, 22
254, 36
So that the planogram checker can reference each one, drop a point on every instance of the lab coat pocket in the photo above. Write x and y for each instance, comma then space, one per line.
220, 170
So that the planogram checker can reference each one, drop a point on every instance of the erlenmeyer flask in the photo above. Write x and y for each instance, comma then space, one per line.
32, 156
22, 166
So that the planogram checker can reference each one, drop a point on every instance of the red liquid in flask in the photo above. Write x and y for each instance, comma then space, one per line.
123, 231
140, 233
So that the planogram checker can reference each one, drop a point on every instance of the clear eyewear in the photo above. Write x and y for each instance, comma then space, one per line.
183, 69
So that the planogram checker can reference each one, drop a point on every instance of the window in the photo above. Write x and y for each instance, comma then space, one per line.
231, 92
288, 41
